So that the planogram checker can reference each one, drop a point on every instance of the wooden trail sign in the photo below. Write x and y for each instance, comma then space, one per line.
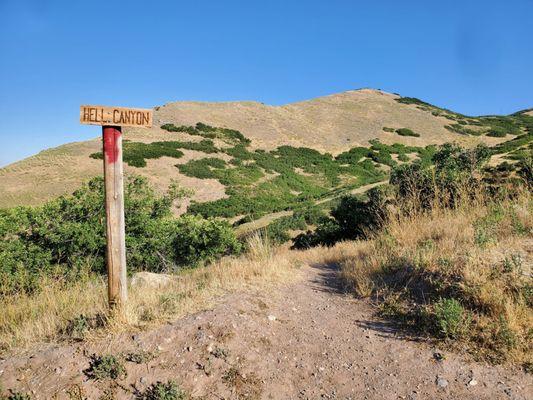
115, 116
112, 119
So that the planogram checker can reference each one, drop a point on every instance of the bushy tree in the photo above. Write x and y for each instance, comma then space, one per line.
352, 218
66, 236
452, 173
197, 239
453, 170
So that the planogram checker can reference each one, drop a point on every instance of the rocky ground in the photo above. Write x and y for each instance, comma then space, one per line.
307, 340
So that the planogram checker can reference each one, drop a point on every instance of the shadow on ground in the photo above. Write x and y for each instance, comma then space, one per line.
328, 279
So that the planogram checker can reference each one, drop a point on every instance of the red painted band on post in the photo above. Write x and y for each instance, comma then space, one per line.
111, 135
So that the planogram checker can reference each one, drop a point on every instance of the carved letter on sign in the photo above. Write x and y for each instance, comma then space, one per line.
116, 116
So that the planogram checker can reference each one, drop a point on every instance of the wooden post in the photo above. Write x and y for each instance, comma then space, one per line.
112, 119
115, 225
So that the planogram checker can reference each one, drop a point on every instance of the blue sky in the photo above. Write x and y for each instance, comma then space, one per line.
475, 57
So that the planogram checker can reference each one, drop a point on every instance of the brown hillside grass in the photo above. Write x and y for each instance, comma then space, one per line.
57, 310
332, 123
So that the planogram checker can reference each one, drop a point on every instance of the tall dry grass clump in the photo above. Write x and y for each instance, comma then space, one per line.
461, 274
79, 310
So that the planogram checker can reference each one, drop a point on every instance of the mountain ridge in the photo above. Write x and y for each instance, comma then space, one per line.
333, 123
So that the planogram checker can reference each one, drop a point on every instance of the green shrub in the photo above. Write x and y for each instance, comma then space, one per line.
278, 231
207, 131
525, 170
388, 129
15, 395
353, 156
105, 367
407, 132
419, 185
403, 157
497, 132
462, 130
412, 100
136, 153
164, 391
450, 318
352, 218
454, 169
513, 144
140, 357
197, 239
65, 237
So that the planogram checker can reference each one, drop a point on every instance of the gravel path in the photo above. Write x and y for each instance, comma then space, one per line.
307, 340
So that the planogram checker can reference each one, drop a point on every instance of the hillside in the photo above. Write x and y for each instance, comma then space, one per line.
332, 124
399, 245
404, 315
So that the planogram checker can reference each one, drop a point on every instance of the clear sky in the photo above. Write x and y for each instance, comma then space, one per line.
475, 57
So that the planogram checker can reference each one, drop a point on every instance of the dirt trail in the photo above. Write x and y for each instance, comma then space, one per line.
268, 219
306, 340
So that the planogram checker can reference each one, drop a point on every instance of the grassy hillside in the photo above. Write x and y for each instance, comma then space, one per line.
331, 124
440, 249
461, 276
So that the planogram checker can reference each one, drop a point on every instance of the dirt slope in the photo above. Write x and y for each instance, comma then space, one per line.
303, 341
332, 123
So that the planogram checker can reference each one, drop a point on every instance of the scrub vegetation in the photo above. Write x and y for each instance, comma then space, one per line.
407, 132
490, 125
64, 238
439, 249
457, 274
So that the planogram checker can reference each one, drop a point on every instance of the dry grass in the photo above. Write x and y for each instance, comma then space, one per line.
333, 123
49, 314
478, 254
46, 316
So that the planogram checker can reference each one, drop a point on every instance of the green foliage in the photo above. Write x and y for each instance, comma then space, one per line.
105, 367
407, 132
278, 231
354, 155
216, 168
229, 135
462, 130
286, 190
412, 100
135, 153
421, 184
451, 320
352, 218
205, 146
65, 237
454, 169
164, 391
403, 157
140, 357
15, 395
496, 126
197, 239
513, 144
497, 132
525, 170
388, 129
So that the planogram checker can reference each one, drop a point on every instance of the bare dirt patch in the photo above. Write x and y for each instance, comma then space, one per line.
304, 340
